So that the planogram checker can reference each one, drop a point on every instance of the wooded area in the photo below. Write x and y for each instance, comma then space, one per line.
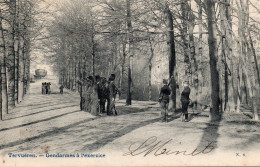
17, 30
211, 44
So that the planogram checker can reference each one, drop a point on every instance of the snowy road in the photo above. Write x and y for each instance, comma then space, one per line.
54, 123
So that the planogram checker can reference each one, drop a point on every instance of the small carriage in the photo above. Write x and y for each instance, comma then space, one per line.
40, 73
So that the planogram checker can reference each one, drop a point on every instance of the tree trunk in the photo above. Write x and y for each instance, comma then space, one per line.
1, 111
213, 55
21, 69
227, 25
10, 53
172, 56
93, 54
253, 80
224, 59
252, 93
255, 58
194, 64
184, 36
122, 66
130, 52
75, 74
150, 70
200, 78
3, 83
239, 92
16, 49
243, 17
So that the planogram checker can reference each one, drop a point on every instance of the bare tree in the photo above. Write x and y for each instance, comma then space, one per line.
213, 55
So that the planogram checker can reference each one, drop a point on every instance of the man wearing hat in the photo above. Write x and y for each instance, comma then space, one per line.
185, 100
164, 100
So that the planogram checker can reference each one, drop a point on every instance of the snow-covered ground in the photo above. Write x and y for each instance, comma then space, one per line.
52, 124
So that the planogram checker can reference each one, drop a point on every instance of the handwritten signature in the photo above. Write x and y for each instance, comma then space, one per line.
156, 147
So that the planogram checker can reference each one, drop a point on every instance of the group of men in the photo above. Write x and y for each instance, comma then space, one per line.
98, 92
46, 88
164, 100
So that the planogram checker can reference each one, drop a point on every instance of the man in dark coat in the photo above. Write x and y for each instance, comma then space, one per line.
185, 100
43, 88
61, 89
104, 93
48, 88
164, 100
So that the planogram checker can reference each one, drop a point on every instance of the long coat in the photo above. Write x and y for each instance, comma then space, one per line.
94, 100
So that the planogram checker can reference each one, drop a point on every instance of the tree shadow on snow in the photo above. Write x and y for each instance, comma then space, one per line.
210, 134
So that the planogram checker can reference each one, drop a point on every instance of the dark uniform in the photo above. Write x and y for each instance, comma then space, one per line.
185, 100
164, 101
103, 92
43, 88
48, 88
61, 89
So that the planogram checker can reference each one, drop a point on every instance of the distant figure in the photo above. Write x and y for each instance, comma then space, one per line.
61, 89
185, 100
43, 88
25, 87
48, 88
164, 100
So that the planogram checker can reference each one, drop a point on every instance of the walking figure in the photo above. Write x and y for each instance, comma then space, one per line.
164, 100
61, 89
185, 100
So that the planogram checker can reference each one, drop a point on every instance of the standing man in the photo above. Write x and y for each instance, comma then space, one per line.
103, 94
43, 88
49, 88
164, 100
61, 89
112, 95
46, 87
185, 100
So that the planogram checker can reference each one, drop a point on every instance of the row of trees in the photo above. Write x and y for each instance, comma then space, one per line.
128, 37
16, 34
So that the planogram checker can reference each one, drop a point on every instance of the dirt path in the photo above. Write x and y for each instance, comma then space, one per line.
54, 124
